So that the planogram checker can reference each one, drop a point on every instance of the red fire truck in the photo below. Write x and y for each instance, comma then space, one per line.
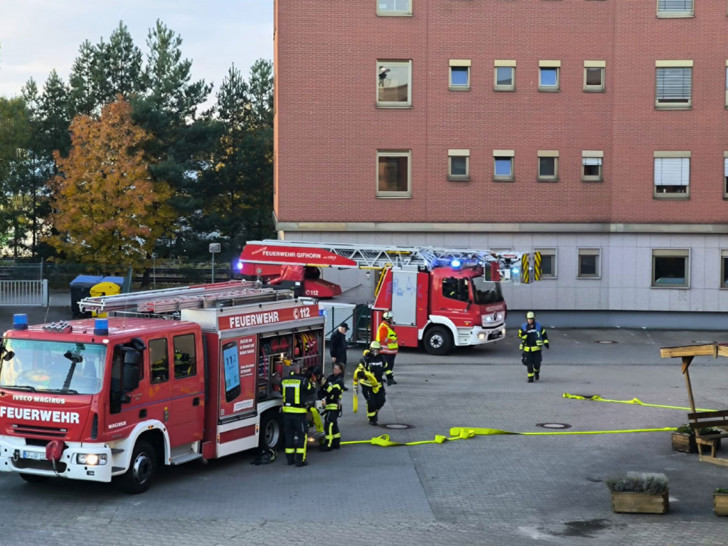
170, 376
440, 298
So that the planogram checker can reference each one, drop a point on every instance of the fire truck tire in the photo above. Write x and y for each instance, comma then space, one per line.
142, 468
438, 340
33, 478
271, 430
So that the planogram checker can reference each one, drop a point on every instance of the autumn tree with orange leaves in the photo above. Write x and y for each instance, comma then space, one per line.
107, 211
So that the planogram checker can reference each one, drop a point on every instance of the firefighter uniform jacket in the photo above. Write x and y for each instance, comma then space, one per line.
331, 391
370, 371
387, 337
533, 337
297, 393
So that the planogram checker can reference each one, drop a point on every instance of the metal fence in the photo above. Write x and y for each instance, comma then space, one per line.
24, 293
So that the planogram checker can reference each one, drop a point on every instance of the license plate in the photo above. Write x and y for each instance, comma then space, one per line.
35, 455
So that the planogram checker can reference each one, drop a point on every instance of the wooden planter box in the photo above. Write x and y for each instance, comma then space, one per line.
720, 504
682, 441
640, 503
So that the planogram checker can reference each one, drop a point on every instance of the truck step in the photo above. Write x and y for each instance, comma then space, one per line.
185, 458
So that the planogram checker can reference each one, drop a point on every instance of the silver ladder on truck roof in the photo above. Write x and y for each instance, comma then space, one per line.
169, 300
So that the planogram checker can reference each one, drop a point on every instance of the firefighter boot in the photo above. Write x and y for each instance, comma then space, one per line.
536, 375
390, 381
530, 378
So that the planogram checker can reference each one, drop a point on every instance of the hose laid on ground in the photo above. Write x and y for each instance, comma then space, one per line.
634, 401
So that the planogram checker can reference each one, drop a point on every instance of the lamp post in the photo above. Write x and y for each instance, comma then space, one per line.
214, 249
154, 270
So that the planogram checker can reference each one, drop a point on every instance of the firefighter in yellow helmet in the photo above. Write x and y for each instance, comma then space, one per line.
533, 338
369, 374
387, 338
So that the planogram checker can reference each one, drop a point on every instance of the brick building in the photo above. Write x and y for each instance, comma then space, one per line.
595, 131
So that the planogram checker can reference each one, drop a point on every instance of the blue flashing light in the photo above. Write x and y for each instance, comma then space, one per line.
101, 327
240, 265
20, 321
455, 264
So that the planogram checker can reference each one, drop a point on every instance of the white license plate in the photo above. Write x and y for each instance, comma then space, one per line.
35, 455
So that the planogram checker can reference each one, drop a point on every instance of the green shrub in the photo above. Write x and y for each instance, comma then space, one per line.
639, 482
721, 490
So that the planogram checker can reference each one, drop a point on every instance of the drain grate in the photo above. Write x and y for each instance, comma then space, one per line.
398, 426
605, 341
553, 425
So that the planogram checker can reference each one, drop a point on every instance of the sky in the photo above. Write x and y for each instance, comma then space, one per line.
37, 36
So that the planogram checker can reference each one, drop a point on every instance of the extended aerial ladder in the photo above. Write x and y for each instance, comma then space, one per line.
517, 266
170, 300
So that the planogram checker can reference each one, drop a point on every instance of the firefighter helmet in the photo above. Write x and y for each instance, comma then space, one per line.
375, 345
530, 314
387, 315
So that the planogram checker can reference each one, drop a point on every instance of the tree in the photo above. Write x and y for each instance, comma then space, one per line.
106, 209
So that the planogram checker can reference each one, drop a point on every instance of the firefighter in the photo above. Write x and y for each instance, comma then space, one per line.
533, 338
297, 391
331, 392
369, 373
387, 338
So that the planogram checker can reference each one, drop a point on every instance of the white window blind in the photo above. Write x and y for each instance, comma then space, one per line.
675, 5
591, 160
725, 166
672, 171
674, 83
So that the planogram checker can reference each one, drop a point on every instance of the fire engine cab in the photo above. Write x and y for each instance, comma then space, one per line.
169, 376
440, 298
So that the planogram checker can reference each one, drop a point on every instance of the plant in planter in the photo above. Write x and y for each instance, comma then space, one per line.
683, 438
720, 501
640, 492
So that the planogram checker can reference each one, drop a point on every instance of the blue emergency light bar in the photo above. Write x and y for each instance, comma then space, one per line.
20, 321
101, 327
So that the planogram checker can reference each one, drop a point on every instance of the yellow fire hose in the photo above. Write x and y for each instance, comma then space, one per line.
635, 401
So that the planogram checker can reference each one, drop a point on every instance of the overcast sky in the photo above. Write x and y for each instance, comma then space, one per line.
37, 36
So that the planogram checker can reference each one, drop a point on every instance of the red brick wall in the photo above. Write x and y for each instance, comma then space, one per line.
329, 128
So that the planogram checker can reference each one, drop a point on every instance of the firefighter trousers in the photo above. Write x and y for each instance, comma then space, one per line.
375, 401
331, 428
295, 427
532, 361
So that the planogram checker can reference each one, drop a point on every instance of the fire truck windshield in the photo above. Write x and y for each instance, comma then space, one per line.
52, 366
486, 292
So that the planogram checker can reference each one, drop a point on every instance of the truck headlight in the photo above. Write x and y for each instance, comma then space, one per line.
488, 319
91, 459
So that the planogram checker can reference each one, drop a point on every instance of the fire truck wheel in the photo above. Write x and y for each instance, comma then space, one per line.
138, 477
33, 478
271, 431
438, 340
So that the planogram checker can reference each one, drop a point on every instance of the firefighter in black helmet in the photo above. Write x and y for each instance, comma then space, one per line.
533, 338
297, 392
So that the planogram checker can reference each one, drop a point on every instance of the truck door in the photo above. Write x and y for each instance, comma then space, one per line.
185, 421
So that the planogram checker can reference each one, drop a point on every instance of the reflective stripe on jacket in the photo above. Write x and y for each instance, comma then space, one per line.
533, 337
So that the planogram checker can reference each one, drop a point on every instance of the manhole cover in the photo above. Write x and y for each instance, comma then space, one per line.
398, 426
553, 425
605, 341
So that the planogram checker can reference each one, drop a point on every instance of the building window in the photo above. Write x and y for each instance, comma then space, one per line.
458, 165
591, 165
672, 174
503, 165
725, 174
594, 76
548, 262
394, 7
459, 75
505, 75
726, 84
674, 85
393, 173
548, 166
548, 75
724, 268
394, 84
675, 8
670, 268
588, 263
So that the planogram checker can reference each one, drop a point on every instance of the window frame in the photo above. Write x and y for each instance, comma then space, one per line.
583, 252
458, 153
504, 154
666, 156
671, 253
382, 63
504, 64
459, 64
390, 194
675, 14
671, 104
551, 253
726, 84
724, 269
549, 65
395, 12
552, 154
595, 65
725, 175
591, 155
